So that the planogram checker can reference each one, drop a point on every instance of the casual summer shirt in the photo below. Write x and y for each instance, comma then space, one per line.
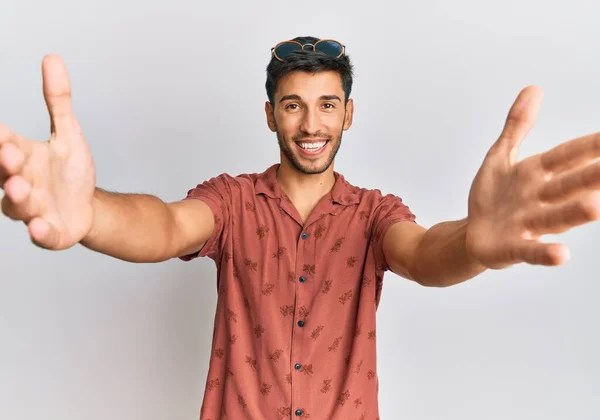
294, 330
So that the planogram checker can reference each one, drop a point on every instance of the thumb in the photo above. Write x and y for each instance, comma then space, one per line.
519, 122
43, 234
57, 93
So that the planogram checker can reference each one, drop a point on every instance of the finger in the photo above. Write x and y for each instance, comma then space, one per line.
11, 161
8, 136
562, 217
43, 234
519, 122
563, 187
18, 203
57, 93
539, 253
571, 154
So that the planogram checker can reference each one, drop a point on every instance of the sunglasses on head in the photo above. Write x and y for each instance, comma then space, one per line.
328, 47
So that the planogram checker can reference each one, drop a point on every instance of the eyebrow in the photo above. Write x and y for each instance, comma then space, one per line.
298, 98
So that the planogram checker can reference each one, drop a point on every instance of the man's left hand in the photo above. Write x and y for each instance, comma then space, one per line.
513, 203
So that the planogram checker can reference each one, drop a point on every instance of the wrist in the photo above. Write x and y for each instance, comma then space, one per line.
92, 231
470, 249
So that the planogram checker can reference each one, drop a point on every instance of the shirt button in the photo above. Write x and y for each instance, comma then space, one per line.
301, 323
304, 235
298, 413
297, 366
302, 279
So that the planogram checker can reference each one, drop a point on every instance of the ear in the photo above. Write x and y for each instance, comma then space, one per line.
270, 116
349, 114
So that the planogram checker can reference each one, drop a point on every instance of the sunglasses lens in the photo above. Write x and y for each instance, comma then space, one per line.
331, 48
286, 48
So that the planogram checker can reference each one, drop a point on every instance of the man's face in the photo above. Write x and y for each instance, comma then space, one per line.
309, 117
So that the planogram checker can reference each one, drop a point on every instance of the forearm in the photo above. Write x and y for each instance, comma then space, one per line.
131, 227
441, 259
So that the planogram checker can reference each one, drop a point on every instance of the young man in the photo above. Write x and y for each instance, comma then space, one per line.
300, 252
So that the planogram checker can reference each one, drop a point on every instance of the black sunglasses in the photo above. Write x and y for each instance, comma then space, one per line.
328, 47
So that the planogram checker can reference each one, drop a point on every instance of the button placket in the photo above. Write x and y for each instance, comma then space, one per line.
302, 290
302, 278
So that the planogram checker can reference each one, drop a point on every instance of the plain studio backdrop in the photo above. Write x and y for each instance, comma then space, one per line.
172, 93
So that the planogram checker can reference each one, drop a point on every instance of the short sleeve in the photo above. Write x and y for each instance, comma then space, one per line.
216, 193
390, 210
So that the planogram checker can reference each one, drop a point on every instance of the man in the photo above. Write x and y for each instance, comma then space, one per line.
300, 252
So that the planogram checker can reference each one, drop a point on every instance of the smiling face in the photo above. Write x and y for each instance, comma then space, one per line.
309, 116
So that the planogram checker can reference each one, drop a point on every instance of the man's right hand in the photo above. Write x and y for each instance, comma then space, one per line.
50, 185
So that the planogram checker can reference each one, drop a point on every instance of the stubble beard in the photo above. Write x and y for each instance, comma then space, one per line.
334, 145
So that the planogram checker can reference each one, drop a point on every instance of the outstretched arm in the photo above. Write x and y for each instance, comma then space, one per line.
512, 204
435, 257
50, 186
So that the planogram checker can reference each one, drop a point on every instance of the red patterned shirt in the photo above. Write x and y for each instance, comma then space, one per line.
294, 334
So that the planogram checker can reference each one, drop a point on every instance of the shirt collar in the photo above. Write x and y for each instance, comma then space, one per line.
342, 192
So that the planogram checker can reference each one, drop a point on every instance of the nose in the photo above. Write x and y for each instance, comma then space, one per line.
310, 122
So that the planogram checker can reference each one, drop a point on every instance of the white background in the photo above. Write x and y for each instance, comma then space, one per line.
171, 93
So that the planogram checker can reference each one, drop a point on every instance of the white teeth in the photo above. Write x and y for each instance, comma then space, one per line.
312, 146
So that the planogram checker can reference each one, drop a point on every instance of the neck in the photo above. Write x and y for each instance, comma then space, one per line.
305, 190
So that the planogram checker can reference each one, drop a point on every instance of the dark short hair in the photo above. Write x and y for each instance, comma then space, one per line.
311, 62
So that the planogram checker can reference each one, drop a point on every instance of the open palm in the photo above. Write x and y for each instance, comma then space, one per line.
50, 185
512, 203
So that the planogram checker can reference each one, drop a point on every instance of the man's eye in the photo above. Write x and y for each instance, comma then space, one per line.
292, 106
329, 106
